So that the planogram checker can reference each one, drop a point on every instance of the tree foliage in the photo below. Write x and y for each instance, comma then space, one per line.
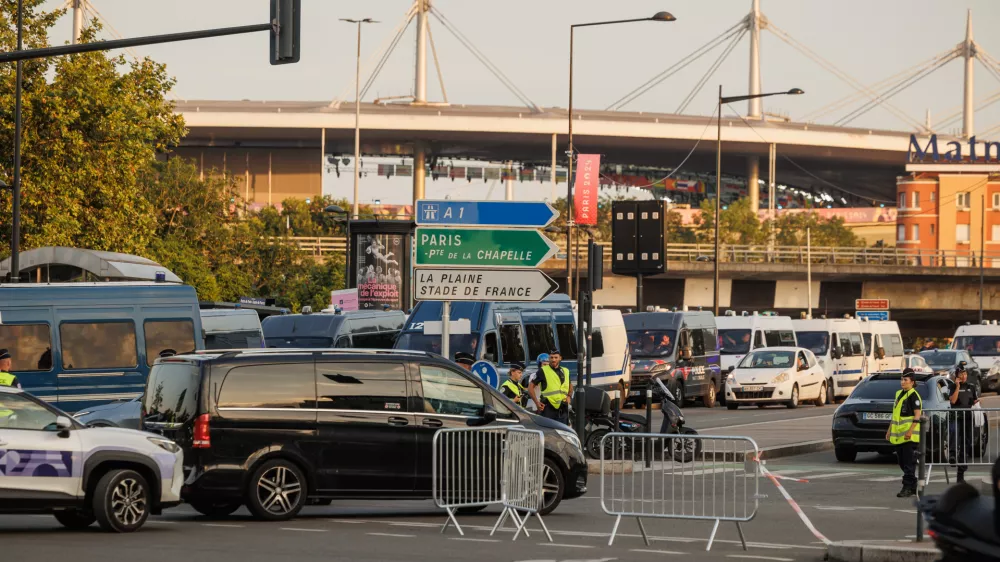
740, 225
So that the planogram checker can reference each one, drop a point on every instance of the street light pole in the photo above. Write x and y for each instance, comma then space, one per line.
718, 175
357, 119
659, 16
15, 234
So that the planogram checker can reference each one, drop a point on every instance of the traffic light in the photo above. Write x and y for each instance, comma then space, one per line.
286, 17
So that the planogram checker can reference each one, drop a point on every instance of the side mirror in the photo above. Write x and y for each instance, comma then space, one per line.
489, 416
731, 369
63, 425
835, 353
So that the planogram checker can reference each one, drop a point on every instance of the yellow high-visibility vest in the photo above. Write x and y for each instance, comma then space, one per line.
900, 423
556, 390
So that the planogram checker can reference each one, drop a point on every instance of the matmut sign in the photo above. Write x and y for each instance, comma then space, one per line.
971, 151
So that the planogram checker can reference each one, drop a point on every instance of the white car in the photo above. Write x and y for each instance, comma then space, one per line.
776, 375
50, 463
917, 363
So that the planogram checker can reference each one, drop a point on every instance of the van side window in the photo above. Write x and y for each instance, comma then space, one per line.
598, 344
98, 345
344, 341
845, 345
758, 339
895, 346
377, 387
374, 340
870, 341
362, 325
777, 338
166, 336
277, 385
449, 393
711, 340
30, 346
490, 347
697, 342
511, 343
567, 339
540, 339
856, 344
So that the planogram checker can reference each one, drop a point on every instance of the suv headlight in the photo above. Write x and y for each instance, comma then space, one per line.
165, 444
570, 436
783, 377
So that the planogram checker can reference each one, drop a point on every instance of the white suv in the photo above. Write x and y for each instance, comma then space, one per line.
51, 463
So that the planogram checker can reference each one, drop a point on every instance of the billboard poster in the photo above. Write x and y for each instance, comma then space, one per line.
345, 299
379, 265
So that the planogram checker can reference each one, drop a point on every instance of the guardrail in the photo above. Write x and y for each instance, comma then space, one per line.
699, 477
465, 469
521, 480
959, 437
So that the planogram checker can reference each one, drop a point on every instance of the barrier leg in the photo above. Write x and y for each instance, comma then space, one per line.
927, 478
500, 520
947, 478
711, 539
614, 530
544, 527
742, 538
451, 519
642, 530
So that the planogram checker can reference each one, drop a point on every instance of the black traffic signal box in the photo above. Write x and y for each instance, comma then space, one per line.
638, 237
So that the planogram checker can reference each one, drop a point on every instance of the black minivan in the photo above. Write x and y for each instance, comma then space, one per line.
278, 429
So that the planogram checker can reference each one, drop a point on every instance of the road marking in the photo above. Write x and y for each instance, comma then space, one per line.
567, 545
301, 530
829, 475
160, 522
415, 524
883, 479
910, 511
391, 535
473, 540
227, 525
759, 557
655, 551
353, 521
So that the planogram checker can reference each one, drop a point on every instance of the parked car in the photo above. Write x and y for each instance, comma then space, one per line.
917, 363
53, 464
946, 361
860, 423
776, 375
125, 413
328, 424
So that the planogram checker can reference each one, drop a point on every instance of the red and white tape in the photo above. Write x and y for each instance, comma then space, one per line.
795, 506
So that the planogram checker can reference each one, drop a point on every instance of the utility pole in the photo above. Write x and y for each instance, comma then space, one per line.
809, 275
357, 116
420, 97
982, 254
15, 235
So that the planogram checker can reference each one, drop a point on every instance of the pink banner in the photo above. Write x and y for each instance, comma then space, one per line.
856, 215
588, 172
345, 299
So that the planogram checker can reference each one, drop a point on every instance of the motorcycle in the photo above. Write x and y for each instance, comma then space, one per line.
601, 421
963, 523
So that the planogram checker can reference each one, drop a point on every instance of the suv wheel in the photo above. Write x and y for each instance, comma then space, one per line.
277, 491
121, 501
553, 485
219, 508
75, 518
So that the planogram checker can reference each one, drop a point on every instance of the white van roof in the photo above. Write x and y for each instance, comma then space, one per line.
754, 321
827, 325
215, 320
978, 330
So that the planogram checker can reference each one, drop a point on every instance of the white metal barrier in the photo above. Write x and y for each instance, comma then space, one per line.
698, 477
466, 469
960, 437
521, 480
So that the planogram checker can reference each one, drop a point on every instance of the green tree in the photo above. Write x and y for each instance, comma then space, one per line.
739, 224
790, 230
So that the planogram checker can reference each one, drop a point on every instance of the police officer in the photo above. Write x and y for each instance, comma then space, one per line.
7, 379
904, 431
511, 388
464, 359
554, 389
964, 395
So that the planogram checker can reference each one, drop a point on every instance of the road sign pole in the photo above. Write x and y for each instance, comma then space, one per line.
446, 329
581, 422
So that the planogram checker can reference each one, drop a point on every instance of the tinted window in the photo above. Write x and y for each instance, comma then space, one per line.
779, 338
540, 339
597, 341
169, 337
856, 345
390, 323
884, 389
490, 347
30, 346
447, 392
344, 341
978, 345
758, 339
375, 340
362, 325
845, 345
19, 412
233, 340
895, 346
378, 387
418, 341
511, 343
734, 342
939, 359
711, 340
817, 342
172, 393
697, 342
651, 343
567, 339
289, 385
301, 330
98, 345
766, 359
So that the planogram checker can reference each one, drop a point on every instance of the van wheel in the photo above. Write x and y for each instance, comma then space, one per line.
845, 454
121, 501
553, 485
708, 398
732, 405
679, 395
821, 399
216, 508
830, 398
277, 491
75, 519
794, 402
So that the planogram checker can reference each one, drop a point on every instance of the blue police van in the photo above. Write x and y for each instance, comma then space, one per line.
501, 332
78, 345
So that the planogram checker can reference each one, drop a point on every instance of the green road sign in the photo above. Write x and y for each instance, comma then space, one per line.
474, 247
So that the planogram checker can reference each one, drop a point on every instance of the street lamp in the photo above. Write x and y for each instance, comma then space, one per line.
338, 210
718, 173
357, 113
658, 16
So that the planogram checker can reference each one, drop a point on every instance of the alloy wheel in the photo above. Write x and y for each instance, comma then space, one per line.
550, 485
278, 490
128, 501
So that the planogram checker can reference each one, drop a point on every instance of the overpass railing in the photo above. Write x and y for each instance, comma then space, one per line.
321, 247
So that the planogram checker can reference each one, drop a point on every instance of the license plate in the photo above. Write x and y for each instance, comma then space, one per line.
879, 416
753, 388
635, 393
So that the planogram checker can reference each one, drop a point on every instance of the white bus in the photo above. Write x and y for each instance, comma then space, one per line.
739, 335
840, 349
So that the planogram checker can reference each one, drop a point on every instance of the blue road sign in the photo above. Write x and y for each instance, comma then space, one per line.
526, 214
486, 371
873, 315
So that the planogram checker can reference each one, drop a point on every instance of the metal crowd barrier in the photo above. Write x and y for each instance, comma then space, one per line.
698, 477
959, 437
466, 469
521, 480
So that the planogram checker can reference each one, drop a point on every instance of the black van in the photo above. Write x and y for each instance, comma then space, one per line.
328, 424
684, 346
370, 329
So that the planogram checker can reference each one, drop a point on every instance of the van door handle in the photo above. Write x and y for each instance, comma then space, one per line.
398, 421
431, 422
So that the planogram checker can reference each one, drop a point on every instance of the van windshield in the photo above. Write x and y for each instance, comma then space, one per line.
978, 345
301, 330
734, 342
651, 343
233, 340
418, 341
816, 342
172, 393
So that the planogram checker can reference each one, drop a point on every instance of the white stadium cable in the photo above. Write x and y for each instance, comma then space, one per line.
382, 50
400, 31
678, 66
955, 117
710, 72
437, 62
891, 93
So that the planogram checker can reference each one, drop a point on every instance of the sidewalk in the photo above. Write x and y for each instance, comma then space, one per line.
883, 551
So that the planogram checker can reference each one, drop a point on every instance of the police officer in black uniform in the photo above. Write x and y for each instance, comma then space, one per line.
964, 395
512, 388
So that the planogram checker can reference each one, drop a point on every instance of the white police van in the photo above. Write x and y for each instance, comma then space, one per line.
739, 335
610, 360
50, 463
884, 351
982, 341
840, 348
